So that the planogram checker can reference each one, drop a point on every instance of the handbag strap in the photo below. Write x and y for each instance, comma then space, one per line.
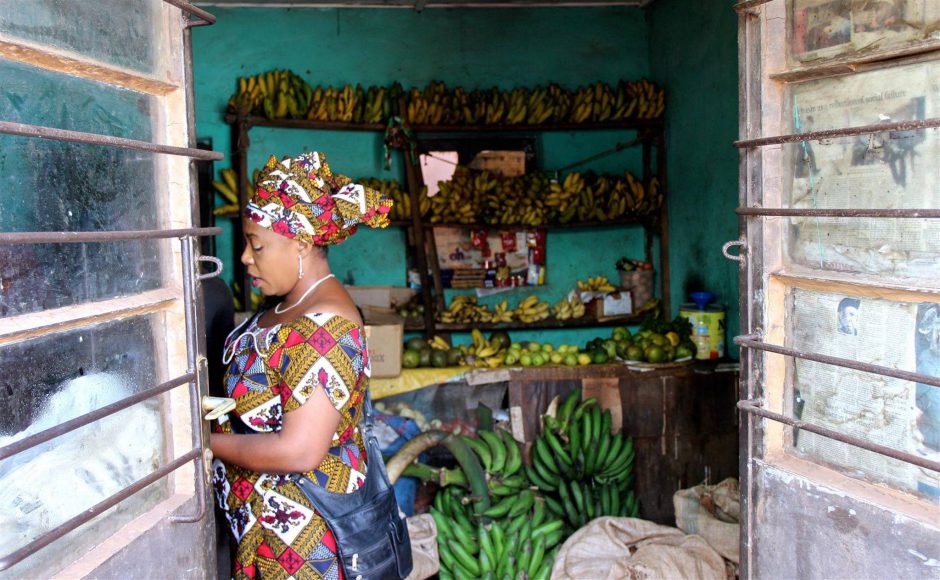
368, 414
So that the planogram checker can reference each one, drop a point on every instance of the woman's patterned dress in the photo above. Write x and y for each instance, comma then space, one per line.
273, 371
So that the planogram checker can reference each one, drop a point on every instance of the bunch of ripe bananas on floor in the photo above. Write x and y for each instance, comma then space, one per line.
228, 189
514, 537
596, 284
582, 469
568, 308
277, 94
597, 103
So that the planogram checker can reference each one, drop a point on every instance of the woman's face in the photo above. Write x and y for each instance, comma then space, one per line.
270, 259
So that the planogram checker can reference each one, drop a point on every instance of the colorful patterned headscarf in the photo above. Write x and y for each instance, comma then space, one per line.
301, 198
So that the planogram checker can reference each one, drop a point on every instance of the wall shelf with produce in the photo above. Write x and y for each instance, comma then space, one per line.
280, 99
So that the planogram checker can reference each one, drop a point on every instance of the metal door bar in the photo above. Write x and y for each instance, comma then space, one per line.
89, 514
841, 213
753, 407
41, 132
844, 132
91, 237
753, 341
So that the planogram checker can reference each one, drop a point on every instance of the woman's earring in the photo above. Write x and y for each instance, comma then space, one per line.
300, 267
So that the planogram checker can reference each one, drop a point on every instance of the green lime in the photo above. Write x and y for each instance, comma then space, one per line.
634, 352
410, 358
655, 354
511, 359
683, 351
439, 359
557, 358
501, 338
534, 346
425, 356
599, 357
658, 339
453, 357
571, 359
526, 360
547, 347
584, 359
416, 343
538, 359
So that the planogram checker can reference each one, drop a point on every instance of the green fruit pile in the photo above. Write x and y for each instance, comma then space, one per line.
419, 352
582, 469
515, 536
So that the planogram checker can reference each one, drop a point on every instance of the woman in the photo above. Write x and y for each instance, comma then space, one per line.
298, 372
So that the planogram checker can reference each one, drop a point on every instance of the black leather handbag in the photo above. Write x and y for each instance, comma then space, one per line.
371, 537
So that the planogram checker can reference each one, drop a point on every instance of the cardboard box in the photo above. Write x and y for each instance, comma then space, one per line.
380, 296
615, 304
506, 163
384, 337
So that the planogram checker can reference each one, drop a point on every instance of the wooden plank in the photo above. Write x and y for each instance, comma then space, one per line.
607, 391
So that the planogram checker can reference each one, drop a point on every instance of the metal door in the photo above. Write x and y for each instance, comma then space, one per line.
101, 452
840, 288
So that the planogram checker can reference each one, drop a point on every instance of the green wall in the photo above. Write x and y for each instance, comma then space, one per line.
507, 48
699, 72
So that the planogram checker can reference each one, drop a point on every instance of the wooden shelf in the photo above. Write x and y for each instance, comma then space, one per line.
592, 126
258, 121
548, 323
568, 226
255, 121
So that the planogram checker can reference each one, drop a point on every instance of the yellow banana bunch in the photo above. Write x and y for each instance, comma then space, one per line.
438, 343
532, 310
569, 308
596, 284
276, 94
228, 189
502, 313
463, 309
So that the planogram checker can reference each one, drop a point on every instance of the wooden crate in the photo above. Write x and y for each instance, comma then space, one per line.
683, 421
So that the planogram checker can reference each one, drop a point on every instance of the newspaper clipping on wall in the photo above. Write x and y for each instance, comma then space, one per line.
890, 169
822, 29
892, 412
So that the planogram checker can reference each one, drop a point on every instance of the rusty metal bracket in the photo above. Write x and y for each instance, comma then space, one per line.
838, 213
200, 16
931, 123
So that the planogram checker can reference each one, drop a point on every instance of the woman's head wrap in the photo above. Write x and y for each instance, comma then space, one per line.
300, 198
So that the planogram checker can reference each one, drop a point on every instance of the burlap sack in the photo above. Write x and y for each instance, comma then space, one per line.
712, 511
618, 548
423, 534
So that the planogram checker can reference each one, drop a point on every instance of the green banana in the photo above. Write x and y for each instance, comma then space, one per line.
442, 523
486, 563
614, 502
547, 528
481, 449
538, 553
567, 408
538, 513
496, 449
501, 509
486, 544
602, 449
554, 506
574, 437
543, 573
525, 556
563, 456
464, 558
465, 538
472, 469
523, 503
586, 432
583, 407
612, 453
513, 454
541, 448
498, 539
540, 482
595, 424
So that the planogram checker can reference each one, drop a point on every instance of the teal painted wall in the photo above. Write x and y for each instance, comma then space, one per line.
461, 47
528, 47
693, 54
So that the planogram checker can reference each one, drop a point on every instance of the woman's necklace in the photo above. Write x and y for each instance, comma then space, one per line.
304, 295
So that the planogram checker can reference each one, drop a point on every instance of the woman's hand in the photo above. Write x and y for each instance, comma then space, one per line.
298, 447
